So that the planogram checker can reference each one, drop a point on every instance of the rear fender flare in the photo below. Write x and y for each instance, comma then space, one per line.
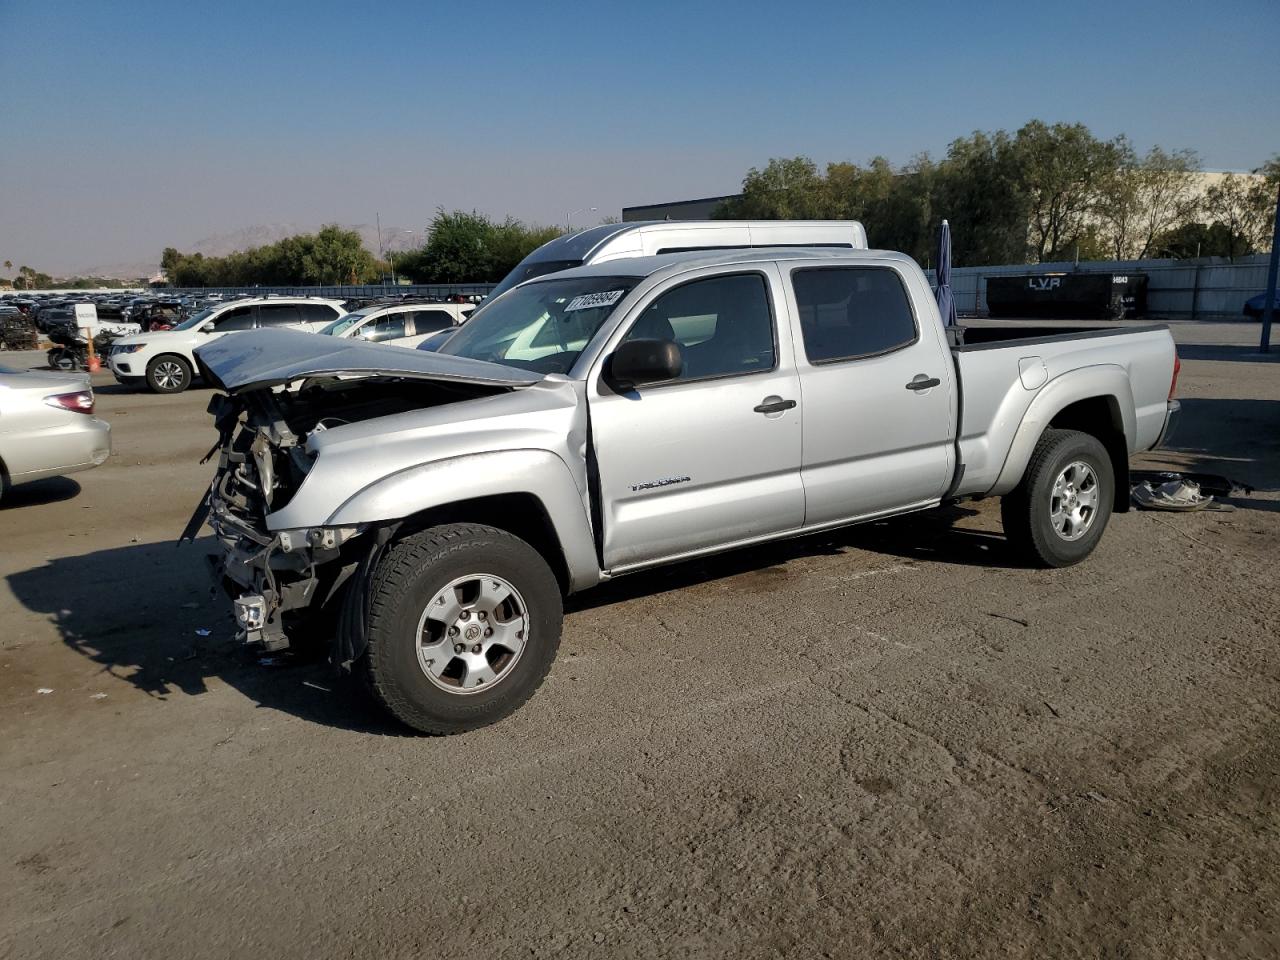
1104, 380
538, 473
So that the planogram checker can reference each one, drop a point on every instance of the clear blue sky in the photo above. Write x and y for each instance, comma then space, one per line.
134, 125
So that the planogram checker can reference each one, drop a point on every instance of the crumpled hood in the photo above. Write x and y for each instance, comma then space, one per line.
256, 359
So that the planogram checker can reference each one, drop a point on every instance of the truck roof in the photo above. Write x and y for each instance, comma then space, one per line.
647, 266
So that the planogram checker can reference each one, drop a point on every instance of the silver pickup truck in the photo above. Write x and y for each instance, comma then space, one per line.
432, 509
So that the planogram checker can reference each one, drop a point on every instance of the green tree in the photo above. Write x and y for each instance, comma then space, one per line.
787, 188
1233, 202
980, 190
1061, 168
335, 256
1262, 200
1144, 198
1189, 240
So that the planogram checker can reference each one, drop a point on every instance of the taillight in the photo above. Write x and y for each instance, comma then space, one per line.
1177, 366
79, 402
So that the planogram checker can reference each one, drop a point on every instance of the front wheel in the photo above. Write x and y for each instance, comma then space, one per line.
1056, 515
168, 374
464, 623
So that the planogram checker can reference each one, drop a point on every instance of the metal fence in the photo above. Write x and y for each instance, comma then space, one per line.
1211, 288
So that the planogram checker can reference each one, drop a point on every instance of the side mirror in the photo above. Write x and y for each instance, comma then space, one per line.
206, 327
638, 362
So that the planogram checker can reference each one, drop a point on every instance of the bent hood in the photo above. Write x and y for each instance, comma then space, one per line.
256, 359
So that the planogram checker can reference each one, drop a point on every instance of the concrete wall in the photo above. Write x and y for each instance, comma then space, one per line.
1209, 288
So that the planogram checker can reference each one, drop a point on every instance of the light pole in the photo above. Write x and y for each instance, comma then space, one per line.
1269, 304
568, 217
391, 255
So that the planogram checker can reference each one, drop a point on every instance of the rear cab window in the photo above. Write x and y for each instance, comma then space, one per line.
848, 313
279, 315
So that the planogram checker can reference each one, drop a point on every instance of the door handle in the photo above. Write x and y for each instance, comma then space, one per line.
923, 382
774, 405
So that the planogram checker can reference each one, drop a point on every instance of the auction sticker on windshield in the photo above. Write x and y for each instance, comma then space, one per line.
591, 301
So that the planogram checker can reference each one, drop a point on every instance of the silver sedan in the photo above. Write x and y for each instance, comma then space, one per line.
47, 427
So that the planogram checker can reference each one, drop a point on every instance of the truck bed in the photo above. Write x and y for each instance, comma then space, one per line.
1003, 368
971, 337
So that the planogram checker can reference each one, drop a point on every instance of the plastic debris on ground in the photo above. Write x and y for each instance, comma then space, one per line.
44, 690
1183, 492
203, 633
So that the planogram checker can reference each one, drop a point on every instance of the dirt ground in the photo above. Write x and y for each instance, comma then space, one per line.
891, 741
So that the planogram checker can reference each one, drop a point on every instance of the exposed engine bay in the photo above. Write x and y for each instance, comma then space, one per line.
274, 577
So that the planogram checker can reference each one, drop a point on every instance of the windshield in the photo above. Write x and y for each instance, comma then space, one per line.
527, 269
194, 320
541, 326
344, 323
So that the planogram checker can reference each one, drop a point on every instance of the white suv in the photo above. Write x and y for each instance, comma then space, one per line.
400, 324
163, 359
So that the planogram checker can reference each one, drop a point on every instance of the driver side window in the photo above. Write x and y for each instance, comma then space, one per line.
240, 318
388, 327
724, 326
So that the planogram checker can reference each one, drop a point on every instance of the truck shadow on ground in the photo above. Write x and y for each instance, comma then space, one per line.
137, 611
927, 536
1239, 439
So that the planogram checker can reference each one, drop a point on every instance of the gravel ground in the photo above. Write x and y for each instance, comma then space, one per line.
887, 741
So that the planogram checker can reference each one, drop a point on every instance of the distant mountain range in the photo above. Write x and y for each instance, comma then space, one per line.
256, 236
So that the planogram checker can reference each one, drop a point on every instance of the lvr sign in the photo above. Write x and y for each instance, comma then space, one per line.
1044, 283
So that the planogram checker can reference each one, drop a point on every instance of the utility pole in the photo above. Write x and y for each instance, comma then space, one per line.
1269, 304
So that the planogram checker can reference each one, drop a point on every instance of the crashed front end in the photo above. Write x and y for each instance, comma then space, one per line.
282, 391
268, 574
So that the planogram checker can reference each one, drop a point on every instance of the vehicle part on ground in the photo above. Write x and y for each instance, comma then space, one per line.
1057, 514
1210, 483
1178, 496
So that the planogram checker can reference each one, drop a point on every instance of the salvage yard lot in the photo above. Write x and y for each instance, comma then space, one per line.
885, 740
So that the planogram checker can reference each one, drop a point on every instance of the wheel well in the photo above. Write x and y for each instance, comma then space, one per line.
521, 514
1100, 417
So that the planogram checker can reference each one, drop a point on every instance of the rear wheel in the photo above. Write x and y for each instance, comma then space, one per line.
168, 374
1057, 514
464, 623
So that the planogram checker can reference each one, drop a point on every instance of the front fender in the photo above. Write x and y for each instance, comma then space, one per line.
1104, 380
441, 482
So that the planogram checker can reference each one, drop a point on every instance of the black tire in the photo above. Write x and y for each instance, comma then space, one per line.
168, 373
1027, 510
402, 587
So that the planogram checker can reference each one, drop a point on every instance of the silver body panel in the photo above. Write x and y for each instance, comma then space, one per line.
689, 468
38, 440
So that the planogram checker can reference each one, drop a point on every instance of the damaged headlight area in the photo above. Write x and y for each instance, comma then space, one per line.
276, 578
262, 461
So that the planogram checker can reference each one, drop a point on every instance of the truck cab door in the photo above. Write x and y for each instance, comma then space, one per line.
711, 457
879, 390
